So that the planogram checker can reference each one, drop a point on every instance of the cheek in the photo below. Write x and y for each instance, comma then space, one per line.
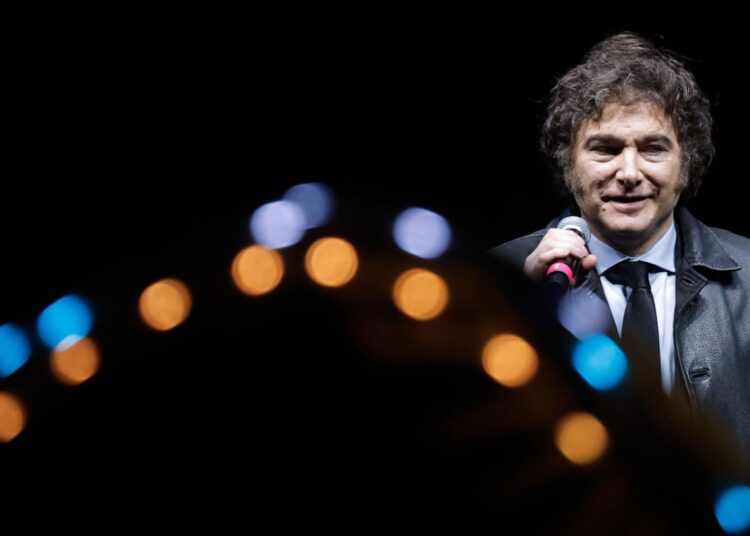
594, 174
588, 201
591, 177
589, 185
667, 173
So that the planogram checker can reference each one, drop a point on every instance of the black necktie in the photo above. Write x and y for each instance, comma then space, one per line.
640, 331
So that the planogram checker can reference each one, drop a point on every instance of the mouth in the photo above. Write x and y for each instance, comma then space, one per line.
628, 204
625, 198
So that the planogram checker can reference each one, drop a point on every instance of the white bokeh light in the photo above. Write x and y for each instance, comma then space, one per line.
422, 232
278, 224
315, 200
583, 313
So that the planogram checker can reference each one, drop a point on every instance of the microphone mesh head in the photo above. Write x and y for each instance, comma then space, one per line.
576, 224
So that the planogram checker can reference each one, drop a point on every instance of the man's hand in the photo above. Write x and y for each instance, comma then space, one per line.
556, 245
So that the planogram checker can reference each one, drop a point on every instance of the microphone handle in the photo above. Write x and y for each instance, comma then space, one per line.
558, 279
557, 274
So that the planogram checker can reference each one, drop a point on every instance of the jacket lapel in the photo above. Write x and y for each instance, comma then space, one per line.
698, 252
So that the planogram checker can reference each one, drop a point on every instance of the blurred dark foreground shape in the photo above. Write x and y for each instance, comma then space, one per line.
321, 408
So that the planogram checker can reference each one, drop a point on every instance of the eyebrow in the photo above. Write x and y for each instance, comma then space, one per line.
609, 139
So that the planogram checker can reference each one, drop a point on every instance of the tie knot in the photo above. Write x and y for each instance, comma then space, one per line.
632, 274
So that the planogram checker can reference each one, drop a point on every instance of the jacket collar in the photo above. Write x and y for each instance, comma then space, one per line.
700, 246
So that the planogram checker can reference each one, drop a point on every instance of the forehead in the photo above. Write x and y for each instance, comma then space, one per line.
629, 121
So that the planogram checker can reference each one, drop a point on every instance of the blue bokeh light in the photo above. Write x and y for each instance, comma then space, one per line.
422, 233
315, 200
278, 224
732, 509
600, 362
67, 320
15, 349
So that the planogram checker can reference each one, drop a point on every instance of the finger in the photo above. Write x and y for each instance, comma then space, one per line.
555, 254
566, 235
576, 250
568, 238
588, 262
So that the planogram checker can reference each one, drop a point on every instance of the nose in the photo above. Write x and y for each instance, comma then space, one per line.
627, 170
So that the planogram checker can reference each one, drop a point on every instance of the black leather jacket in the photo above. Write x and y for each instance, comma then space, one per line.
711, 321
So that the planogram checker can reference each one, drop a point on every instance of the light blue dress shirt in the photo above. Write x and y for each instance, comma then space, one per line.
663, 287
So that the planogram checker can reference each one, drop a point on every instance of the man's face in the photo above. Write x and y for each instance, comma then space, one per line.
626, 175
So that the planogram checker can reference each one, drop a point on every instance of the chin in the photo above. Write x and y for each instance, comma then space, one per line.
639, 223
620, 235
625, 227
627, 232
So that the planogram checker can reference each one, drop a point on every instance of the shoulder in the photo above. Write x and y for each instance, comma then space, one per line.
737, 246
730, 238
514, 252
713, 246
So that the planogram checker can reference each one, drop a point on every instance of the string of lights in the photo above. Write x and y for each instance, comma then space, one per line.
584, 428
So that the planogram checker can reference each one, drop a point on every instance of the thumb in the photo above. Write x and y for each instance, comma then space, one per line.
588, 262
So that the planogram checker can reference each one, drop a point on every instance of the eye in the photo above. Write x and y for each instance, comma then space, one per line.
654, 149
603, 149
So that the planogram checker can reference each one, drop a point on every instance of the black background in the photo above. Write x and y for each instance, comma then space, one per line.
134, 132
138, 144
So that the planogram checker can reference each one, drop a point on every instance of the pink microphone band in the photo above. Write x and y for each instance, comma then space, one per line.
561, 267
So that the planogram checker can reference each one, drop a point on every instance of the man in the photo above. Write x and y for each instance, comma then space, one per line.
629, 135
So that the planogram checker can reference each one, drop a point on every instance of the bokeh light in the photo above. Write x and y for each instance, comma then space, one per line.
278, 224
581, 438
420, 294
579, 299
257, 270
315, 200
12, 417
422, 233
732, 509
15, 349
600, 362
331, 262
65, 321
510, 360
77, 363
165, 304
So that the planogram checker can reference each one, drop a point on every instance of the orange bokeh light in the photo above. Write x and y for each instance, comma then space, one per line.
165, 304
510, 360
12, 417
581, 438
420, 294
77, 363
331, 262
257, 270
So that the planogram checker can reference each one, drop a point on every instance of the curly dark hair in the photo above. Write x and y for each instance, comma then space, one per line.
626, 68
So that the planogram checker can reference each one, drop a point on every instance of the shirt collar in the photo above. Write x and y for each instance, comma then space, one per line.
661, 254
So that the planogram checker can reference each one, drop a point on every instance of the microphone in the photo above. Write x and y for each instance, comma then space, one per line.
561, 273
